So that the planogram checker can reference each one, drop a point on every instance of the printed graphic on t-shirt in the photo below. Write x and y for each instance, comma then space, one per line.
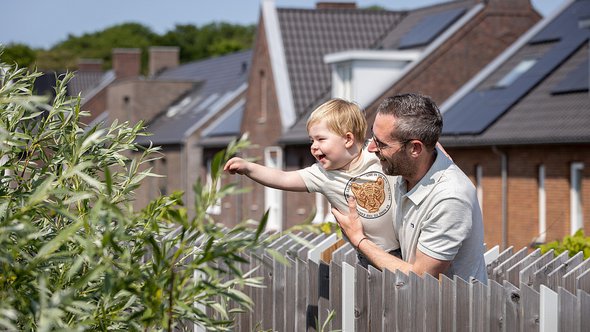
372, 193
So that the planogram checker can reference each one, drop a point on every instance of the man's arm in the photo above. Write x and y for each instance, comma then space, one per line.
270, 177
352, 227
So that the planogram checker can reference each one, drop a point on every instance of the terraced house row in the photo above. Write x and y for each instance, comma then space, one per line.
512, 86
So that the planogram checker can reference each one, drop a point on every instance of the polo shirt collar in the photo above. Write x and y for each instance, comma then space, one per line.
430, 179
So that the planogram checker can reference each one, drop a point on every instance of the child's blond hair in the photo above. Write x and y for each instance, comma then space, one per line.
341, 116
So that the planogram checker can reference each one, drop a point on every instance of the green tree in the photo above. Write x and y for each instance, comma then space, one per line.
75, 255
21, 54
98, 45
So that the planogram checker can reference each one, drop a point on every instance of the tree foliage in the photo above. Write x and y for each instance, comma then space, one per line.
19, 54
572, 243
194, 42
75, 255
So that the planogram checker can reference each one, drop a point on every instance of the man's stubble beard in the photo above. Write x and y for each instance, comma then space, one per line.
398, 164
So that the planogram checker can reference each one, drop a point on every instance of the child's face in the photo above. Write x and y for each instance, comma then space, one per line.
329, 148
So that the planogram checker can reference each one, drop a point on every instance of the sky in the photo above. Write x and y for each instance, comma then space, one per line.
42, 23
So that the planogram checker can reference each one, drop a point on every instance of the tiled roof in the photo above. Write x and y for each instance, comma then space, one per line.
309, 34
226, 128
538, 107
84, 82
221, 80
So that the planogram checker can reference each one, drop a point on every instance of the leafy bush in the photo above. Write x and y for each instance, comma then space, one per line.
75, 255
573, 243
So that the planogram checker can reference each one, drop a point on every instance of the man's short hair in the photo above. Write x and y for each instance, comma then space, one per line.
417, 116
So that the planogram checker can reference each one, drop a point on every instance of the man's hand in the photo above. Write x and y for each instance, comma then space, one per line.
236, 165
350, 224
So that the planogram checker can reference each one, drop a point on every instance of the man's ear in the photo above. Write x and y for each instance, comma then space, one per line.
416, 147
349, 140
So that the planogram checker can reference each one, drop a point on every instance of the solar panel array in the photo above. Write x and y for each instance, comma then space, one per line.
475, 112
575, 81
429, 28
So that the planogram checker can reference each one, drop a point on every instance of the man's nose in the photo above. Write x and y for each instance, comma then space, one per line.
372, 147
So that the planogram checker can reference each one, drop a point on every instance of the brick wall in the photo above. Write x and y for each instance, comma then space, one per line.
261, 120
523, 189
135, 100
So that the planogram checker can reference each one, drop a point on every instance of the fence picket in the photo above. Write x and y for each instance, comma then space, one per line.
417, 303
478, 306
403, 296
540, 276
431, 303
584, 306
527, 273
361, 304
555, 278
499, 273
530, 308
462, 307
513, 273
447, 303
336, 295
583, 281
513, 309
569, 315
389, 301
570, 281
375, 299
497, 316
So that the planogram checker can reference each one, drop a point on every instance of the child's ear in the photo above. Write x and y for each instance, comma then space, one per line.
349, 137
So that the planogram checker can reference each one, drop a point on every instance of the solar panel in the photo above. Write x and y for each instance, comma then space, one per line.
429, 28
567, 20
575, 81
478, 110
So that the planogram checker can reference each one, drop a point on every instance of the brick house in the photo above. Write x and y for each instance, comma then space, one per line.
178, 104
302, 57
175, 102
521, 130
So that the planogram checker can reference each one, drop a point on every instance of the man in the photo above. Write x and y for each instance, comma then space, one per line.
437, 218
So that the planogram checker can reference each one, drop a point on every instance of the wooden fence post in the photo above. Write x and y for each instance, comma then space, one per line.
548, 309
530, 308
447, 303
375, 299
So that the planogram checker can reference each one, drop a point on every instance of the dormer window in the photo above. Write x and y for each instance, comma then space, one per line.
516, 72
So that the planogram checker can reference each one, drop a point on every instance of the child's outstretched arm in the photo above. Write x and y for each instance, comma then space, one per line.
270, 177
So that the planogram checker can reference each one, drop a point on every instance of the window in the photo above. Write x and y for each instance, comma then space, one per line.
576, 207
273, 198
343, 83
516, 72
163, 180
479, 185
542, 205
214, 208
263, 96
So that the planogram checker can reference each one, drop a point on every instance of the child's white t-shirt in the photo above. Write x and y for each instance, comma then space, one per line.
372, 190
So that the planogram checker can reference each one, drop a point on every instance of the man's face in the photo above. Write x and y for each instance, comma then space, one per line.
394, 157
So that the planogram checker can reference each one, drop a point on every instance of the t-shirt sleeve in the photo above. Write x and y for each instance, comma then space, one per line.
313, 178
447, 226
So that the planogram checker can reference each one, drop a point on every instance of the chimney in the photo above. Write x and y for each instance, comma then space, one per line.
161, 58
90, 65
335, 5
126, 62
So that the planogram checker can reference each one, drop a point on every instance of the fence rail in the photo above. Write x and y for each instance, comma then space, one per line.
526, 291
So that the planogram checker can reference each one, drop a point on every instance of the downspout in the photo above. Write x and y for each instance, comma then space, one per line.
504, 172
